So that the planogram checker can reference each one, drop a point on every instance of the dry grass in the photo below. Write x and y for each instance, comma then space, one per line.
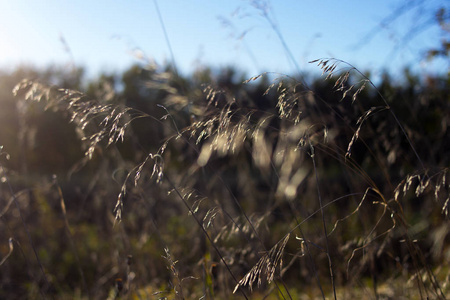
294, 152
273, 188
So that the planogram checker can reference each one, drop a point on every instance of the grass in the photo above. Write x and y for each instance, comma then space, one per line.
272, 196
210, 189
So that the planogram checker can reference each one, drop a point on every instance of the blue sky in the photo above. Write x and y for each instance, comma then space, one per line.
107, 35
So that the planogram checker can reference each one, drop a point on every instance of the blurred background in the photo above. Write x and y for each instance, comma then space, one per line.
108, 37
178, 64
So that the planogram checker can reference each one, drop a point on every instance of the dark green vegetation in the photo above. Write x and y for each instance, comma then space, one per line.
184, 187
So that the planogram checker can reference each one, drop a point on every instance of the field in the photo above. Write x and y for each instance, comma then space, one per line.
154, 185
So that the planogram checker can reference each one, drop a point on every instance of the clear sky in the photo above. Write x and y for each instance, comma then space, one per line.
106, 35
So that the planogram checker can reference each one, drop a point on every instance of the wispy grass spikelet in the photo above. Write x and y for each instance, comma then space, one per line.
95, 121
266, 265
